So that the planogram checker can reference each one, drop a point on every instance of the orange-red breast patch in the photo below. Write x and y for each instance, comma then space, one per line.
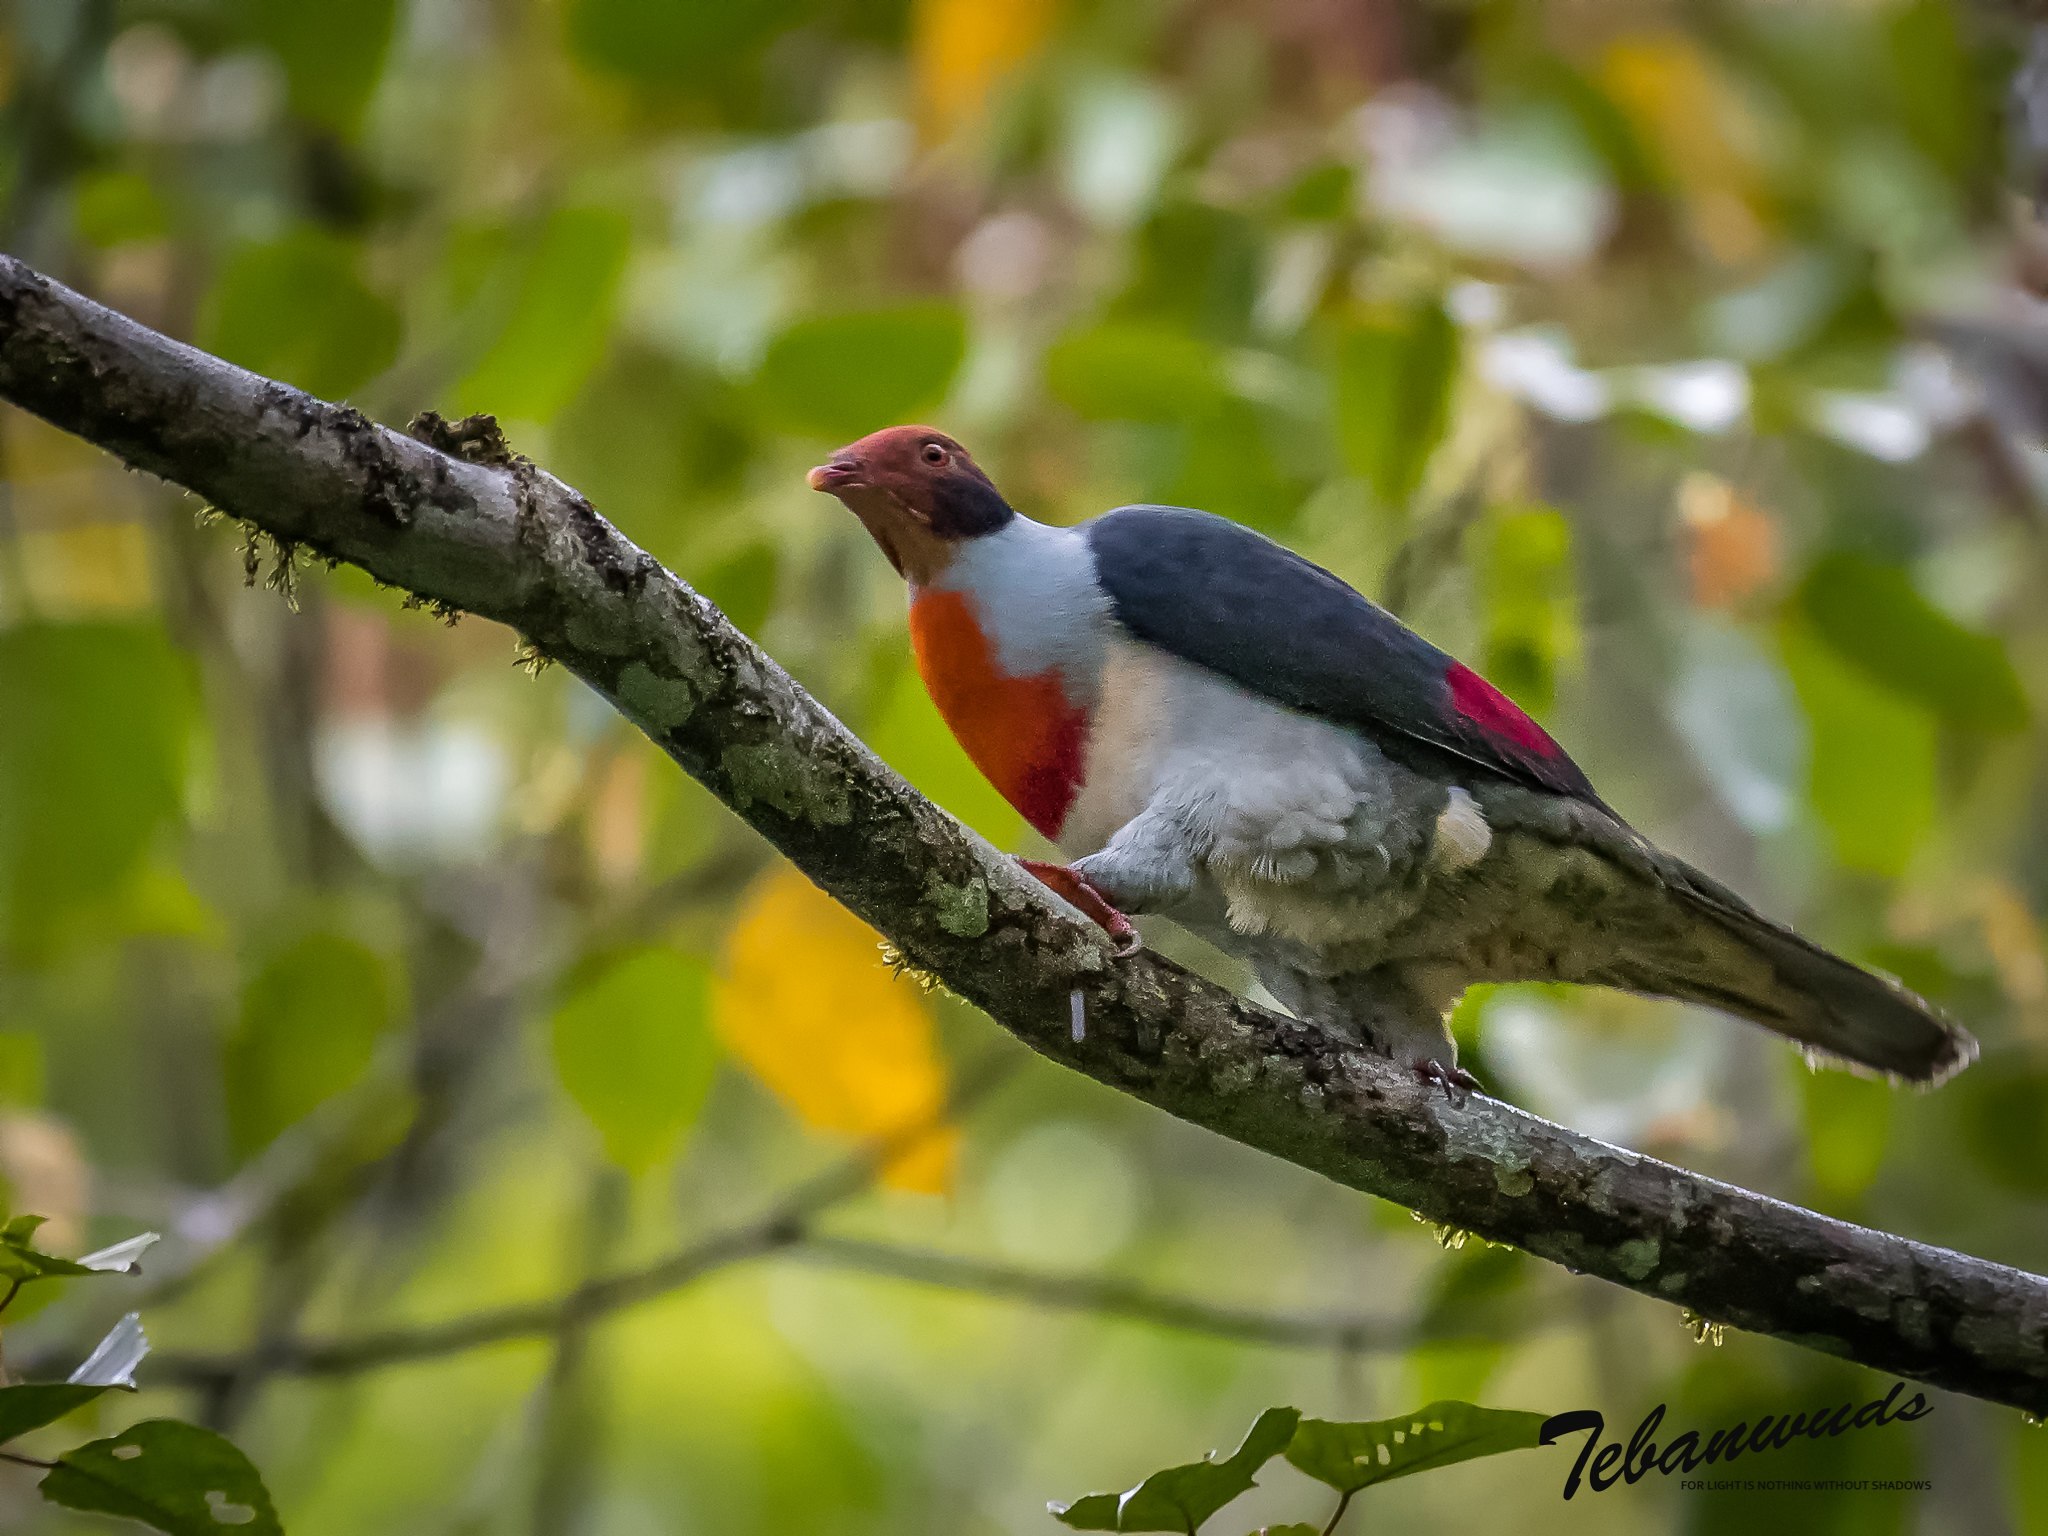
1023, 733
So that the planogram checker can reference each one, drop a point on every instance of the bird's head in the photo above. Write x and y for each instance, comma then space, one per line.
919, 494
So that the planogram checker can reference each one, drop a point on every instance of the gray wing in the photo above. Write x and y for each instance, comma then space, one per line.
1216, 593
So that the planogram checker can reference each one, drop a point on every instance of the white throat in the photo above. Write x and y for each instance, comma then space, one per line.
1036, 597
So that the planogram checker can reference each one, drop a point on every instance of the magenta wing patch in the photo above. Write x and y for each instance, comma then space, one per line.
1500, 723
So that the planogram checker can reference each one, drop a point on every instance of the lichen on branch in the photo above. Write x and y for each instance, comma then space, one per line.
478, 529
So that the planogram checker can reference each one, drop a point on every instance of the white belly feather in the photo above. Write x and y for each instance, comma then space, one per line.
1306, 831
1200, 796
1128, 741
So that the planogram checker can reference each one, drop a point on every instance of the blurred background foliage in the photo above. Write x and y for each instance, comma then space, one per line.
1682, 364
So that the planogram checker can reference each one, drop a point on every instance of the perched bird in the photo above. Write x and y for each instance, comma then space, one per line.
1211, 728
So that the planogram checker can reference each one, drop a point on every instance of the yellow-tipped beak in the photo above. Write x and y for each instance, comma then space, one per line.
834, 476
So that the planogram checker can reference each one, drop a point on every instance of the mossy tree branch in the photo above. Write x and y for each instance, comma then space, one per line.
466, 525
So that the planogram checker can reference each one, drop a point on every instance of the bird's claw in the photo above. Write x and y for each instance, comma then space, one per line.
1455, 1082
1084, 895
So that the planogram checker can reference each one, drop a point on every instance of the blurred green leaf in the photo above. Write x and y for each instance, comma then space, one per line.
1527, 587
1470, 1295
1875, 818
92, 762
1874, 617
19, 1258
308, 1028
1944, 108
1848, 1127
32, 1406
666, 47
633, 1047
2028, 1458
1824, 64
1181, 1498
845, 375
1395, 370
1468, 1016
21, 1261
559, 318
2002, 1110
1292, 1528
21, 1069
1228, 467
1323, 192
1198, 269
1605, 128
115, 207
177, 1478
1453, 1367
1471, 1283
1723, 1388
158, 901
1353, 1456
1133, 371
296, 308
658, 447
332, 52
743, 585
1847, 342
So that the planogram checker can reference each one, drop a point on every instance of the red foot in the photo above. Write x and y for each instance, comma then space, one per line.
1075, 888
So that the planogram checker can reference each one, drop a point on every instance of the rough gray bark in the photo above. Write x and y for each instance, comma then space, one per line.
506, 540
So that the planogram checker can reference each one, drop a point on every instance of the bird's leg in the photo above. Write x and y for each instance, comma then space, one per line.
1143, 868
1455, 1081
1400, 1012
1083, 894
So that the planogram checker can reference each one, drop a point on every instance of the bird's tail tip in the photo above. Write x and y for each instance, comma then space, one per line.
1837, 1012
1957, 1050
1865, 1021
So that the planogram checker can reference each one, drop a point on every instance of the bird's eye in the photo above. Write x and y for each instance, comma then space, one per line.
934, 454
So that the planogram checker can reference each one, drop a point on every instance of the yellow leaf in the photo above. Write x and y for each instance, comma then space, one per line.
963, 48
83, 542
2013, 939
2003, 921
806, 1004
90, 571
1693, 120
